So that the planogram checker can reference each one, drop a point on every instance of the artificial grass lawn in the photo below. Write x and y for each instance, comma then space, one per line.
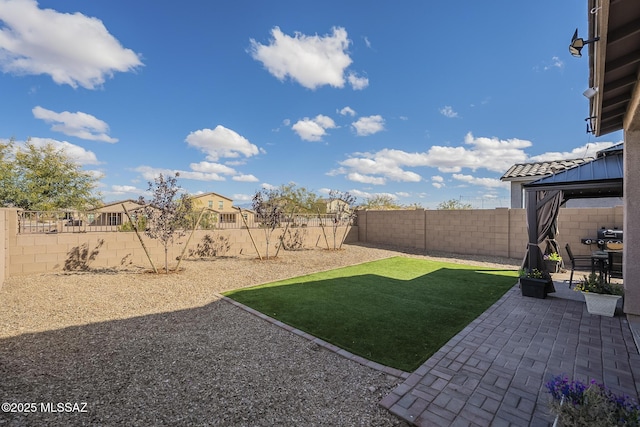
397, 311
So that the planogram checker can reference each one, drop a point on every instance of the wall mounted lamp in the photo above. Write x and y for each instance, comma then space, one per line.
577, 44
591, 92
590, 127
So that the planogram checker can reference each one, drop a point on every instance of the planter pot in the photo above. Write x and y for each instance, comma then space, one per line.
536, 288
603, 305
551, 266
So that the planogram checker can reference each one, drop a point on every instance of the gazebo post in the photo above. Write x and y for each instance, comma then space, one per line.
532, 227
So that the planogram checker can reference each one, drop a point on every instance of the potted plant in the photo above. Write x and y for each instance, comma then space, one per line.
601, 297
552, 262
578, 404
535, 283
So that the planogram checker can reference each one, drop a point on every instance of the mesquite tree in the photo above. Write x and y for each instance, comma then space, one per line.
166, 213
269, 208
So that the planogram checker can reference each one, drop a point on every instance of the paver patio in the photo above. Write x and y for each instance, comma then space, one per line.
493, 372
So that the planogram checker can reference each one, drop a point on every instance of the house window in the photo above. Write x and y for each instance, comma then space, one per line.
221, 204
210, 204
114, 218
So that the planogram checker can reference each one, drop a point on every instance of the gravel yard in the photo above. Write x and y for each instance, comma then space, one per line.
145, 349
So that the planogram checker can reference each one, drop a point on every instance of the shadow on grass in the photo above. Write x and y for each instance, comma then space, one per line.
397, 322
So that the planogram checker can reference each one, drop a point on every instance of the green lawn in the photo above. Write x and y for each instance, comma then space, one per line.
397, 311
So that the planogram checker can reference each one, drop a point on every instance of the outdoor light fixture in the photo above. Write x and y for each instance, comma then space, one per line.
590, 127
591, 92
577, 44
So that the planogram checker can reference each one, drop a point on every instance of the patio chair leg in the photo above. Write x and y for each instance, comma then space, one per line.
571, 279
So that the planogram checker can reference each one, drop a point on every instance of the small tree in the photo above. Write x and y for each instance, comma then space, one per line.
340, 207
166, 213
453, 204
269, 208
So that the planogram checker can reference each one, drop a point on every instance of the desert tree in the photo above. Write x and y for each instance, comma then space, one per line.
268, 205
341, 210
167, 212
453, 204
44, 178
381, 202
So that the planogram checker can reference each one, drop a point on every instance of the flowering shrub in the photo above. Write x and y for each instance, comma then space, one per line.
552, 257
580, 404
594, 283
533, 273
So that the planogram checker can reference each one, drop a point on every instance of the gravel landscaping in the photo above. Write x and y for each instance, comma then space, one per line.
135, 348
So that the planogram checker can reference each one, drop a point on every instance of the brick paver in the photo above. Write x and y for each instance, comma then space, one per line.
493, 372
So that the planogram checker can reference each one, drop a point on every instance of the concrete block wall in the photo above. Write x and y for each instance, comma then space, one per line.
41, 252
492, 232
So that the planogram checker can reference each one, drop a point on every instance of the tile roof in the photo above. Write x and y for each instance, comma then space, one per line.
541, 169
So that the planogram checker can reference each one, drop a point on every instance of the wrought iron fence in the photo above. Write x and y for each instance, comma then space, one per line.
117, 221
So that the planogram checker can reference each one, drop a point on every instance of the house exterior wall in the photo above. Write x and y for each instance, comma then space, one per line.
214, 201
631, 266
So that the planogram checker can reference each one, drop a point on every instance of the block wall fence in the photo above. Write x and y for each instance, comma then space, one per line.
492, 232
498, 232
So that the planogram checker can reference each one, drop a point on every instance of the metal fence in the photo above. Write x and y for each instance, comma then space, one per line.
83, 222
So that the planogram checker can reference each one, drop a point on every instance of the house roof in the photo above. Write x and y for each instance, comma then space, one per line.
211, 193
529, 171
600, 177
614, 63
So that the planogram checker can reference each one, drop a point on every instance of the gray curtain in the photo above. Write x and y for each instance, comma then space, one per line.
547, 205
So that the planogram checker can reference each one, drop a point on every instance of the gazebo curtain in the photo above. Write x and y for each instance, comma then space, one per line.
542, 214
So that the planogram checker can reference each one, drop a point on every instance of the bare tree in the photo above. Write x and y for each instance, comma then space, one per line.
166, 213
269, 208
340, 207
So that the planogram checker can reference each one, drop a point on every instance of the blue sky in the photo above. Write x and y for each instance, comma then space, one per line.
418, 100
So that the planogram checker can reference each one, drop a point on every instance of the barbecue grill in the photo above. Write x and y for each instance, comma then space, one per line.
607, 238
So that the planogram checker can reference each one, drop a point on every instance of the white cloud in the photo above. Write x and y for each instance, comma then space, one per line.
448, 111
356, 82
245, 178
75, 152
390, 164
437, 181
80, 125
587, 150
375, 169
347, 111
312, 61
72, 48
365, 179
489, 153
242, 197
368, 125
313, 129
124, 189
556, 62
483, 182
221, 142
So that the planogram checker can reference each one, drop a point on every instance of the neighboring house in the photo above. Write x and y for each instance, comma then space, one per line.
524, 173
336, 205
112, 213
223, 208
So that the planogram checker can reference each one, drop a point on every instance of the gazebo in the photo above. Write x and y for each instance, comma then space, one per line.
601, 177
